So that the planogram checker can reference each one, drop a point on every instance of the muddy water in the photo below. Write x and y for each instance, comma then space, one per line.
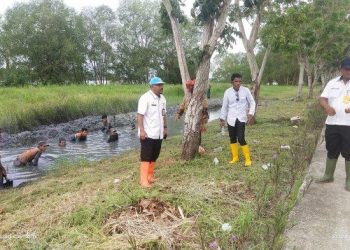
95, 148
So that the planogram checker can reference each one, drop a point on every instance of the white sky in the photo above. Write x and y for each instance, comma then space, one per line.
113, 4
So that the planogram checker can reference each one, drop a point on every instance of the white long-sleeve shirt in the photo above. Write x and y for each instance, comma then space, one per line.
236, 104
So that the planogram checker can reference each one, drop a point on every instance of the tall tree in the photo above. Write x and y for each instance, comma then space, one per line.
330, 30
284, 31
39, 36
175, 15
100, 26
211, 15
316, 32
140, 47
254, 9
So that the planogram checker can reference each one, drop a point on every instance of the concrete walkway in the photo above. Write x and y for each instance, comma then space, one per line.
321, 219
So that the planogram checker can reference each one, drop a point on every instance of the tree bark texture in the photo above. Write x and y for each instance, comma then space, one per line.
211, 33
180, 51
256, 86
249, 45
301, 79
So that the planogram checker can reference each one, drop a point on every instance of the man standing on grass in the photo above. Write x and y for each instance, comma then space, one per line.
237, 101
152, 128
335, 100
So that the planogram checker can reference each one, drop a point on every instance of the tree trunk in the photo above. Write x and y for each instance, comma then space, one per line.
309, 83
185, 75
301, 79
191, 136
249, 45
313, 83
309, 72
256, 87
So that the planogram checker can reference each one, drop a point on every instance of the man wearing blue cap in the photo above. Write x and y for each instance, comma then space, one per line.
152, 128
335, 100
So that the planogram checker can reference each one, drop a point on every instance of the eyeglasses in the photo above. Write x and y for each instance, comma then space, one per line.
237, 96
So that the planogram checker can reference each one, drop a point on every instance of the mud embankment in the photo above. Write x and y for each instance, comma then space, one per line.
92, 123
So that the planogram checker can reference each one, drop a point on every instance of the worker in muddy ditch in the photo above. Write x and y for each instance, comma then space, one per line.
80, 136
106, 125
4, 182
31, 156
204, 116
152, 128
113, 135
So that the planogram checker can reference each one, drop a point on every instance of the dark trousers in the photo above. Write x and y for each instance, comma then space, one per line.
338, 141
237, 133
150, 149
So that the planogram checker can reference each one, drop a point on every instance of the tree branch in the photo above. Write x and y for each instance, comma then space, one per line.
219, 26
255, 30
241, 27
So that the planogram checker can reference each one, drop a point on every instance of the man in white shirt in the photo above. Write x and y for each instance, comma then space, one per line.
335, 100
152, 128
238, 108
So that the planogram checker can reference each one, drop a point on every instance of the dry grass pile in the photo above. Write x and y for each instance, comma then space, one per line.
149, 220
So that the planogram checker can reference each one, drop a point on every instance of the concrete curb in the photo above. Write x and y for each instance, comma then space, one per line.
320, 218
308, 177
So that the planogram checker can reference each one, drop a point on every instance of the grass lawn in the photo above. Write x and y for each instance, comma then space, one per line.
78, 206
23, 108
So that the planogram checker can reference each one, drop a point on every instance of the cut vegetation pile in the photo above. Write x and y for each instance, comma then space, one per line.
148, 220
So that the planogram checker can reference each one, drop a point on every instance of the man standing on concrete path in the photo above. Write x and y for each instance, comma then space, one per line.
152, 128
236, 102
335, 100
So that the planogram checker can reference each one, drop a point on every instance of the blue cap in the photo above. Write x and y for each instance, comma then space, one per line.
345, 64
155, 80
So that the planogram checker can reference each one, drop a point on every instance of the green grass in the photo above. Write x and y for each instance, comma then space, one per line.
67, 209
24, 108
27, 107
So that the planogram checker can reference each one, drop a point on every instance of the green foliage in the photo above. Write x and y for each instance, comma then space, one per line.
177, 13
44, 41
98, 30
316, 31
250, 3
227, 64
40, 36
281, 67
28, 107
205, 10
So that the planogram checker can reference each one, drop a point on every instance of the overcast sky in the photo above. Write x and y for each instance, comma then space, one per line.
113, 4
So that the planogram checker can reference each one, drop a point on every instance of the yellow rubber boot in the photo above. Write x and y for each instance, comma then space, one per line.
150, 176
144, 174
234, 151
246, 153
